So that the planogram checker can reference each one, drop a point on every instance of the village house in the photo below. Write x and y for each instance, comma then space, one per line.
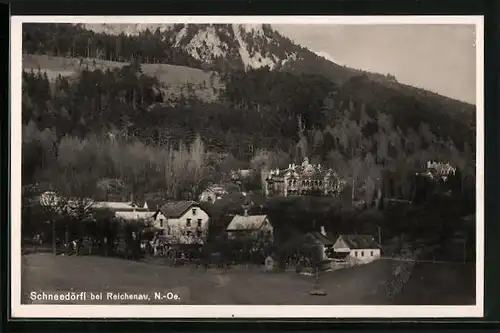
183, 220
134, 215
318, 239
213, 193
304, 179
153, 205
361, 248
123, 210
129, 211
324, 242
116, 205
250, 225
241, 174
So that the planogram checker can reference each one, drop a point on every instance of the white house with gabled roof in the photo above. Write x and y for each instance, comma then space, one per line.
361, 248
182, 220
255, 225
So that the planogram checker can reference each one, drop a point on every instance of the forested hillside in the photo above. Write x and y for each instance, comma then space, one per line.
265, 117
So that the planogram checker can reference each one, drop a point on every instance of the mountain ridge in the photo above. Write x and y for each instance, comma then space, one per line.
220, 48
248, 49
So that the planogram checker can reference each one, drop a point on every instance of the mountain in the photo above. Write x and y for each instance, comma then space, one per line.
243, 46
239, 47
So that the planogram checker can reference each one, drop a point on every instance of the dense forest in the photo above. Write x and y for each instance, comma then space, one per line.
295, 119
73, 40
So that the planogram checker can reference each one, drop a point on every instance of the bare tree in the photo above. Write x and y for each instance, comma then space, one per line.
54, 206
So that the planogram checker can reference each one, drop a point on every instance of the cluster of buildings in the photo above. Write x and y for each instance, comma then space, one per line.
187, 223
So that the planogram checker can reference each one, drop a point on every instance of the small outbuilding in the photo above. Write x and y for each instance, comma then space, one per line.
269, 263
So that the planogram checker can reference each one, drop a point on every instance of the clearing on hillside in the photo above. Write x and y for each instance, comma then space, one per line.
174, 79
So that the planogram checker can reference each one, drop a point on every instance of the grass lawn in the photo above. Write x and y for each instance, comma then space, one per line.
363, 285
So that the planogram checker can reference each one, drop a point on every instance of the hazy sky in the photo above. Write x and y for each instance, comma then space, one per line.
441, 58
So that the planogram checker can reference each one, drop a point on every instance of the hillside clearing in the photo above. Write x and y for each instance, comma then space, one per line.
174, 78
363, 285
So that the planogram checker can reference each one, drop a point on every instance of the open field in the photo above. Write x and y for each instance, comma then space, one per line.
174, 77
431, 284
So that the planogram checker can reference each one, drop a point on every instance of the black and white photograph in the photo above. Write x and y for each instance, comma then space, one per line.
249, 166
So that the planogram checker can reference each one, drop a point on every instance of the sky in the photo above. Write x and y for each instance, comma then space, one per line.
440, 58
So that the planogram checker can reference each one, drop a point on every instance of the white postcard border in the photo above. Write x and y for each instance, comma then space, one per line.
19, 310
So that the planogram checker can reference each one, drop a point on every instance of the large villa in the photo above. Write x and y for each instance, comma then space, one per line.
302, 179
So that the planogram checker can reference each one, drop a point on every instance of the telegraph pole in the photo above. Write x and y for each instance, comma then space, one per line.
379, 235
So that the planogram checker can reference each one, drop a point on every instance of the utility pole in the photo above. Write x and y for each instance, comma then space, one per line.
54, 252
379, 235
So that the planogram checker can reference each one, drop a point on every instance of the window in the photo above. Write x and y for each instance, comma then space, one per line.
198, 233
362, 253
355, 253
193, 211
209, 199
199, 223
161, 223
188, 222
371, 253
169, 230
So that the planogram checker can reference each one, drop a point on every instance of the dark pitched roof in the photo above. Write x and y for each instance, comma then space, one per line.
300, 239
360, 241
322, 238
154, 204
250, 222
176, 208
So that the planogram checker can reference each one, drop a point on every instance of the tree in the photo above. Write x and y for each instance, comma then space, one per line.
54, 207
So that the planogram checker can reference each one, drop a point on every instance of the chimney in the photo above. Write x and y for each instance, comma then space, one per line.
323, 231
245, 212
